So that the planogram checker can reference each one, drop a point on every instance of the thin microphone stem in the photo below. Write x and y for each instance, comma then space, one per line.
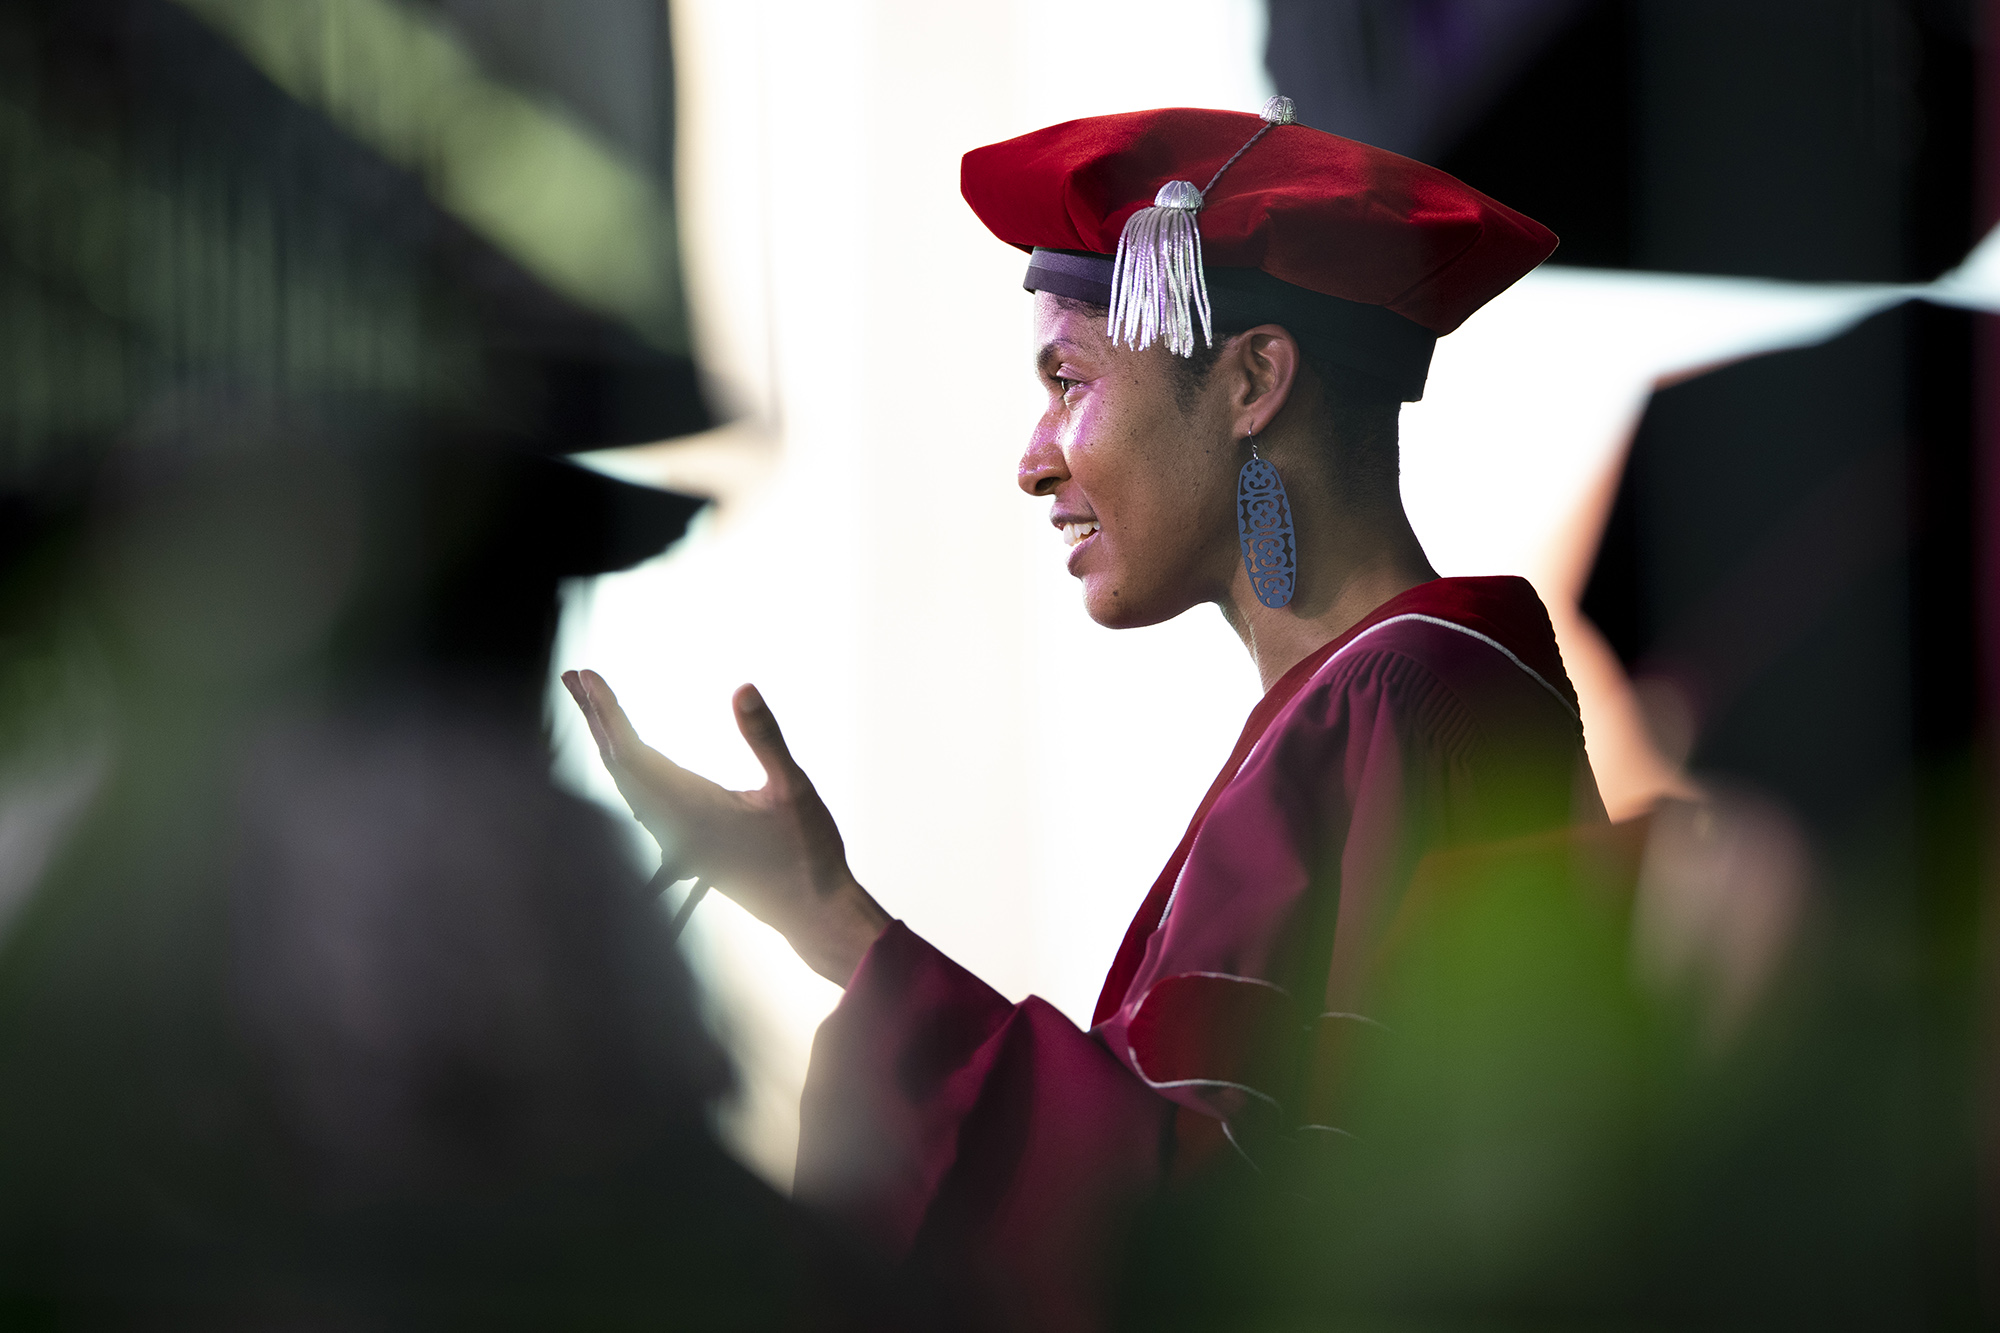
688, 904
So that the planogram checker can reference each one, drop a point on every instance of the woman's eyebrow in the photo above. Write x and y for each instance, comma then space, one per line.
1046, 359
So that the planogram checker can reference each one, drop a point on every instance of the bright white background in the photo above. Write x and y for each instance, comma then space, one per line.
1009, 777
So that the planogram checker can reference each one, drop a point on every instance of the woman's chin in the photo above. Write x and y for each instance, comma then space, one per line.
1115, 607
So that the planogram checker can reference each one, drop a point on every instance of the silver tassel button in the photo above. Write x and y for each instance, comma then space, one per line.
1157, 290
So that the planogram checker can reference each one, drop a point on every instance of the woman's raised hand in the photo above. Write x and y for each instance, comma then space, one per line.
775, 850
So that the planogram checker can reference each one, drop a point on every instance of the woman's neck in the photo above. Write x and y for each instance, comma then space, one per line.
1352, 568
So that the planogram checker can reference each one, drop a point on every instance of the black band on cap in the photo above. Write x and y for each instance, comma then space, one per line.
1071, 273
1369, 338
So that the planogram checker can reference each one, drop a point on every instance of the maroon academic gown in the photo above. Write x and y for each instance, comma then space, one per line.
999, 1143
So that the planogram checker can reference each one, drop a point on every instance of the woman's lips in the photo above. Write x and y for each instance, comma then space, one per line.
1079, 531
1081, 537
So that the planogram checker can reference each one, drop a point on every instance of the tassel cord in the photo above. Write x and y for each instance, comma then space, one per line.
1250, 143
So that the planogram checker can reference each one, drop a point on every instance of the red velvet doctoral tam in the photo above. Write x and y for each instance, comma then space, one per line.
1309, 208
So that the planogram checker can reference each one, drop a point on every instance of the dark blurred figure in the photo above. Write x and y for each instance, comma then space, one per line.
319, 1005
1811, 139
332, 1010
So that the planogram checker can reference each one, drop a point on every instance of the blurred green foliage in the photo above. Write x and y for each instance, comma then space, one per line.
1537, 1137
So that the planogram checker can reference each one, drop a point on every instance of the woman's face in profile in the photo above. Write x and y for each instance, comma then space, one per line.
1144, 491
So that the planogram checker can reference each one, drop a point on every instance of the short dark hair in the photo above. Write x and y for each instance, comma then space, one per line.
1359, 413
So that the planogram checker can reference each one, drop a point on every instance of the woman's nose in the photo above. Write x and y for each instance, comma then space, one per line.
1042, 468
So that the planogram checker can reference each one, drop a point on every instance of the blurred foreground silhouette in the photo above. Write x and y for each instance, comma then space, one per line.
319, 1004
331, 1008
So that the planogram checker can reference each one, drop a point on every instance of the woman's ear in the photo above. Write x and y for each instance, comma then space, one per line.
1268, 359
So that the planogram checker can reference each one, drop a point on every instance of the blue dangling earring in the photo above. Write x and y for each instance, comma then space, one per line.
1264, 524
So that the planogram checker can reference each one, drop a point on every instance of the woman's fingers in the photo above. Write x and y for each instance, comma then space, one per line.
776, 851
573, 682
760, 728
650, 780
667, 798
616, 738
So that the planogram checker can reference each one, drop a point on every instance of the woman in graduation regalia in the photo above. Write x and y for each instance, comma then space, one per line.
1224, 364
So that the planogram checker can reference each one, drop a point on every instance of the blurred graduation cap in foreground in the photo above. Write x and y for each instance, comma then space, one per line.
422, 250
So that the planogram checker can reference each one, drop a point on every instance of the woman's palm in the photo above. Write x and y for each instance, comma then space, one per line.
775, 850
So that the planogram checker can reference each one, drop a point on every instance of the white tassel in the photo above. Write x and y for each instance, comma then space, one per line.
1157, 287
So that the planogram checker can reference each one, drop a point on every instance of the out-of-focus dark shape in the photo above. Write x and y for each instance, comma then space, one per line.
1809, 139
319, 1004
194, 257
331, 1009
1792, 553
1719, 900
336, 1013
1790, 571
1805, 139
1406, 77
171, 214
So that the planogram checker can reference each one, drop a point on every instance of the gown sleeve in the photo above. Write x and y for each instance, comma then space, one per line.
988, 1142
